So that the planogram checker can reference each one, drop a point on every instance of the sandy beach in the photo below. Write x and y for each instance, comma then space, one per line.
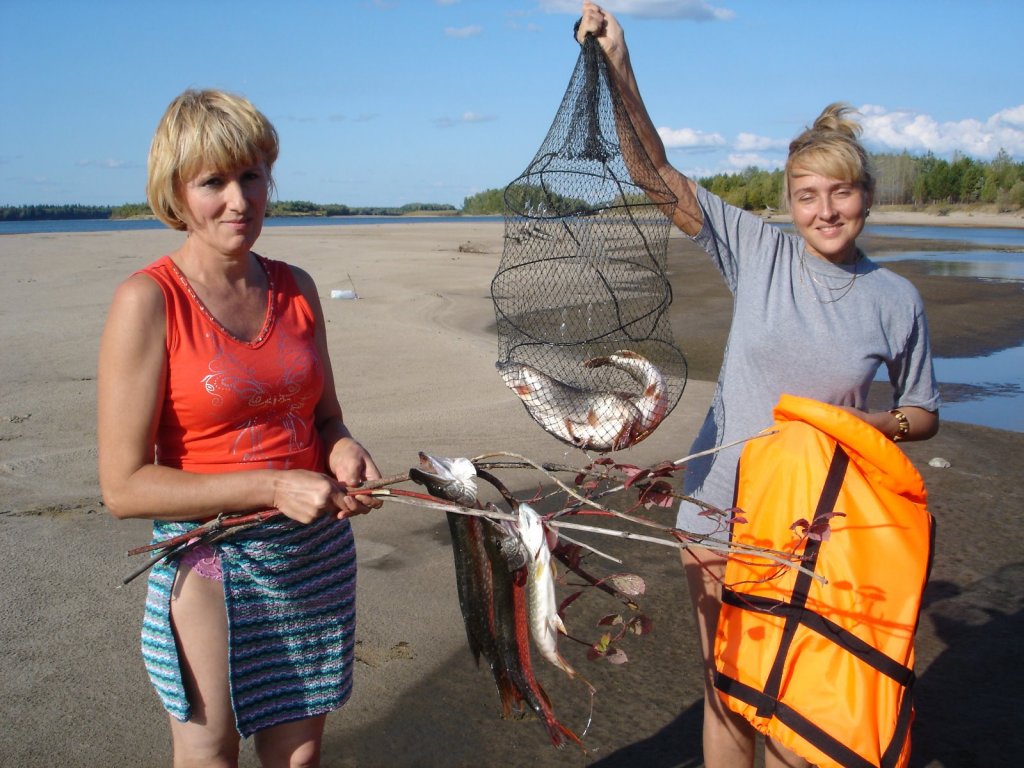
414, 362
951, 218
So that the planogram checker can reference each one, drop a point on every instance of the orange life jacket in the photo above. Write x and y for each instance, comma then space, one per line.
826, 669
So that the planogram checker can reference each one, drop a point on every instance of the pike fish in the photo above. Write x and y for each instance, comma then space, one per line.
596, 421
448, 479
452, 480
491, 579
511, 603
545, 623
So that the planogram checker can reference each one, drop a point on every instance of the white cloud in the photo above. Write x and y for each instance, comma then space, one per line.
904, 129
741, 160
466, 117
884, 131
693, 10
473, 117
463, 32
751, 142
1013, 116
688, 138
531, 27
109, 163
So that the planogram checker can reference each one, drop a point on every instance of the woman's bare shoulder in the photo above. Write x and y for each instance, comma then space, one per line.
140, 289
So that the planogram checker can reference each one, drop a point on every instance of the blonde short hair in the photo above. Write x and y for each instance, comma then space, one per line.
204, 129
831, 147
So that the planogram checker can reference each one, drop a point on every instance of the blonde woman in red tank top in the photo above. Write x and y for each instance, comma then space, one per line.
216, 395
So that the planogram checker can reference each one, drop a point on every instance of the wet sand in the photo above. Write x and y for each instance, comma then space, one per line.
414, 362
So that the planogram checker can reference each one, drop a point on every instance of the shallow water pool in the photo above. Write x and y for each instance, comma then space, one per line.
988, 391
982, 264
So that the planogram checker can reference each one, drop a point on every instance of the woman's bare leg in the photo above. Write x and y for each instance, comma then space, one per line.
728, 737
291, 745
777, 756
198, 616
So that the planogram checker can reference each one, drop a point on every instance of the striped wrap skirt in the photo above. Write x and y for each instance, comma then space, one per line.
289, 593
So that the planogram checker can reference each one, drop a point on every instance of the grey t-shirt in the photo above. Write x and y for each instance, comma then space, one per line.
801, 326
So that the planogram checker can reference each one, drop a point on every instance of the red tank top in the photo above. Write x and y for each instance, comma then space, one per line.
234, 405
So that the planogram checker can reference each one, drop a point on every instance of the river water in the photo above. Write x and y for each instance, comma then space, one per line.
988, 391
123, 225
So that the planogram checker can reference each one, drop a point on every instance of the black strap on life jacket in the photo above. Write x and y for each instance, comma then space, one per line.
797, 614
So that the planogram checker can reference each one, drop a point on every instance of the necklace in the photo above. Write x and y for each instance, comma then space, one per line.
842, 290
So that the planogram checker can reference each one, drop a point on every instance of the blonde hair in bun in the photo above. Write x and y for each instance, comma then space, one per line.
831, 147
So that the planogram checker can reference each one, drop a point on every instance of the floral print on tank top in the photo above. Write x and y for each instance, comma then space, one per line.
232, 401
257, 404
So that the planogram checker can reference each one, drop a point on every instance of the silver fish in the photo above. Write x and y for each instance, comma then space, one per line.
512, 613
449, 479
492, 585
545, 623
597, 421
653, 400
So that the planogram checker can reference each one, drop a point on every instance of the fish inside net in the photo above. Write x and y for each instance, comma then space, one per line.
581, 294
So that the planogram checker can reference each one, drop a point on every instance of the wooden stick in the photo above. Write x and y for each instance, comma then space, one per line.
247, 518
227, 525
709, 542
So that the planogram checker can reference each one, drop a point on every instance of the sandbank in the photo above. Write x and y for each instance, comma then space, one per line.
413, 358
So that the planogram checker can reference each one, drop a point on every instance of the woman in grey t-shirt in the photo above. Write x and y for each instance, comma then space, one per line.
812, 317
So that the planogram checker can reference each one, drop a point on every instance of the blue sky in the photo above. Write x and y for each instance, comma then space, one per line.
397, 101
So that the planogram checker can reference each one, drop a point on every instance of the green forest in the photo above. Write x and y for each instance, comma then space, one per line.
276, 209
923, 181
918, 181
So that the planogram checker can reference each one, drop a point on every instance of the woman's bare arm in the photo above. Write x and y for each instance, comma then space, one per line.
609, 35
132, 371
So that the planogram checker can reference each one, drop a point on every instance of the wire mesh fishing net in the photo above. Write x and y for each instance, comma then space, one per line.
581, 294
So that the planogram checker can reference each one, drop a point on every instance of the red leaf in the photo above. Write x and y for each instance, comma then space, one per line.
634, 477
640, 625
616, 656
658, 493
664, 469
570, 554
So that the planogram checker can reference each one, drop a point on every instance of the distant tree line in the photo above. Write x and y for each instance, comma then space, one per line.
928, 180
43, 212
900, 179
751, 189
306, 208
280, 208
131, 211
486, 203
531, 199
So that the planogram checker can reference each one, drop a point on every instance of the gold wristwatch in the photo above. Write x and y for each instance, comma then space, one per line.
902, 425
